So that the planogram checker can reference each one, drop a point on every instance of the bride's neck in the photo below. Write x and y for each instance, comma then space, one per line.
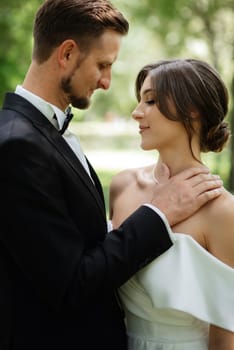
178, 162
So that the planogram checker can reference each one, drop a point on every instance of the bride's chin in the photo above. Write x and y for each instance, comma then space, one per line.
146, 147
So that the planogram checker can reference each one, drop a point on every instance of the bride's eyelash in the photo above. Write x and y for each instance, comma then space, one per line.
150, 102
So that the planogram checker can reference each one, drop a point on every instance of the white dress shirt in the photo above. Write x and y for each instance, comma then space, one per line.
49, 110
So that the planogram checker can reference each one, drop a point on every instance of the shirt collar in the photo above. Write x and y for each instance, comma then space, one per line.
46, 108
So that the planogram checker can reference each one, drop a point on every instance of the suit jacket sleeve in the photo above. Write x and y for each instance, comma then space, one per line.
46, 245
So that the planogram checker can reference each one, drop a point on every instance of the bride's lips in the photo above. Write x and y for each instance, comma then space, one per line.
143, 128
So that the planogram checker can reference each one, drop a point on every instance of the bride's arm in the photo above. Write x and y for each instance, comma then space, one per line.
220, 228
221, 244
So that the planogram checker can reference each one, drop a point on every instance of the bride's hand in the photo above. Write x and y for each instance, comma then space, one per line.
180, 196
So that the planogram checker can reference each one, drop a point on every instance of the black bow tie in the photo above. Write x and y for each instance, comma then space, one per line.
67, 120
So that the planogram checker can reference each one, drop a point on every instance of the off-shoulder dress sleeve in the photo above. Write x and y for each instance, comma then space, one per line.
186, 278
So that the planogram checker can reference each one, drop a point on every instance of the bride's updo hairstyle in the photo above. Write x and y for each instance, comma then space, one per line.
195, 90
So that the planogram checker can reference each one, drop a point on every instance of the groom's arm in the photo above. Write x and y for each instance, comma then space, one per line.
143, 236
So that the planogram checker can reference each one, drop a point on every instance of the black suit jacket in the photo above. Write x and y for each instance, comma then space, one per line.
59, 269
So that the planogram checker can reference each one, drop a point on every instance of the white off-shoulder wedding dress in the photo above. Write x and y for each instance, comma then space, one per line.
170, 303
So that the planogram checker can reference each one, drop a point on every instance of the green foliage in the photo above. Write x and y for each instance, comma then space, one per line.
105, 178
16, 20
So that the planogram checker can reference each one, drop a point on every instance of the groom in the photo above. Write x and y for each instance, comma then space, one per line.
59, 269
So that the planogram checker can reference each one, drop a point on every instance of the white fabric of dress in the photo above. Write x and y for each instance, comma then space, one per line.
170, 303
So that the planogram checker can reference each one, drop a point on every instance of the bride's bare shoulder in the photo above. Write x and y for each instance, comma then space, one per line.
118, 185
219, 229
222, 206
123, 178
129, 176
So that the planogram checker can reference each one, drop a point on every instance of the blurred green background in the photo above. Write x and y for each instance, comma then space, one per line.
159, 29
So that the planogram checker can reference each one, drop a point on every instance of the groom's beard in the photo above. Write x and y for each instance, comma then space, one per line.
76, 100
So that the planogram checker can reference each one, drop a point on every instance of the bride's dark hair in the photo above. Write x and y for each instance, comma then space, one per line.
193, 86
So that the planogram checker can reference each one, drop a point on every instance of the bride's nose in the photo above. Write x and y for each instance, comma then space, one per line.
137, 114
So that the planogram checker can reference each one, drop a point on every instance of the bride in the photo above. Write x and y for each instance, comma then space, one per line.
184, 300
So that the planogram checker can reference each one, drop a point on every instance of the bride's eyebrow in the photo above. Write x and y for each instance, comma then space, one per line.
147, 91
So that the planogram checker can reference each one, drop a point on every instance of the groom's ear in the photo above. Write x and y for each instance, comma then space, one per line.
67, 53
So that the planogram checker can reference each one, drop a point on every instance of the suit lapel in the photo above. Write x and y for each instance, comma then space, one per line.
96, 180
41, 123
